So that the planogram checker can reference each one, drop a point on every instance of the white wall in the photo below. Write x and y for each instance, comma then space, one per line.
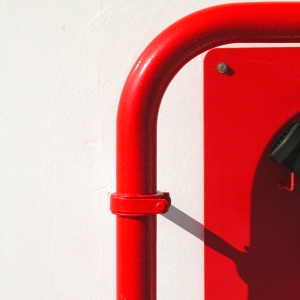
62, 67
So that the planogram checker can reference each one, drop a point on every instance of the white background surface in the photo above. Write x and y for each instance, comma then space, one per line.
62, 67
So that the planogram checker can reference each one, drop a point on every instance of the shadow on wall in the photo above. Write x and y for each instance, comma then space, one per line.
271, 265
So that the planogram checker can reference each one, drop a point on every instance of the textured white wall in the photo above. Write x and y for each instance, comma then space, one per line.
62, 67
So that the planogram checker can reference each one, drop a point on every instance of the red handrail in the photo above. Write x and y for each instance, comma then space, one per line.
137, 119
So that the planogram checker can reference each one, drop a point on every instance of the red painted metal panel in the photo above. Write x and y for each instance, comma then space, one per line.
252, 232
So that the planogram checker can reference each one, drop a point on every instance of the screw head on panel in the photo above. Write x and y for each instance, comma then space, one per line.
222, 67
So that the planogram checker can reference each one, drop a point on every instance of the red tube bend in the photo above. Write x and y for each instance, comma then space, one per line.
165, 56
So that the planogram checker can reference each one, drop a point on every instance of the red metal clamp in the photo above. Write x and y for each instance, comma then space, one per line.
139, 205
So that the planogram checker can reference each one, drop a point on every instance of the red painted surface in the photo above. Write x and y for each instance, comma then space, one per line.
138, 112
253, 228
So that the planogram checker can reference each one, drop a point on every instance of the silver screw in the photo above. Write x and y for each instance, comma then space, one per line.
222, 67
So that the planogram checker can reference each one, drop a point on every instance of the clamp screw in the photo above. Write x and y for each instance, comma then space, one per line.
161, 206
222, 67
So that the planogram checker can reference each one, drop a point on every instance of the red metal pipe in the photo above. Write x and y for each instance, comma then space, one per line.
138, 111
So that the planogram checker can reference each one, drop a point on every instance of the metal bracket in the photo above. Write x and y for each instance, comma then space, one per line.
280, 186
139, 205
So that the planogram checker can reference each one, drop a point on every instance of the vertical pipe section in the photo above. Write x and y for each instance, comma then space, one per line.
138, 110
136, 257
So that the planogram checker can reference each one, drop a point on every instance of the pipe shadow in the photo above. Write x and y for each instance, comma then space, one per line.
270, 266
211, 239
199, 231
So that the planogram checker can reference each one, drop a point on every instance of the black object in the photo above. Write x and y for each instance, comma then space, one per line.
286, 150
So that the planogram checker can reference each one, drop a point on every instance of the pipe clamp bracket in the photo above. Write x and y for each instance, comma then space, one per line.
139, 205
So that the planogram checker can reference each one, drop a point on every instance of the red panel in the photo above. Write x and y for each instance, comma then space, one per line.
252, 232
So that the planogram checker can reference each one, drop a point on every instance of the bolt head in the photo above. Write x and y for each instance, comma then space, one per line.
222, 67
161, 206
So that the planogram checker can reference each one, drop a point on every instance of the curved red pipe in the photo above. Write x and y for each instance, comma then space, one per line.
138, 111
